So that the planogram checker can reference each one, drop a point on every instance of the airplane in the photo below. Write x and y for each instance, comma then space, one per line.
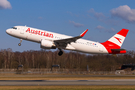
51, 40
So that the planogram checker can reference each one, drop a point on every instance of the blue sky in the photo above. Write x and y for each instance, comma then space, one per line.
103, 18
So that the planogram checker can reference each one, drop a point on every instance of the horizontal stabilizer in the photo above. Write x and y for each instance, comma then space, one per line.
117, 49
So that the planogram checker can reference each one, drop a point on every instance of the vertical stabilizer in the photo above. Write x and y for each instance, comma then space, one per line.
115, 42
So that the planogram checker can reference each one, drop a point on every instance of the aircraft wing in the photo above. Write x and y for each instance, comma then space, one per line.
64, 42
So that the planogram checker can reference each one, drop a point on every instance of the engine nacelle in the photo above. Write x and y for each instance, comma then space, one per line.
45, 44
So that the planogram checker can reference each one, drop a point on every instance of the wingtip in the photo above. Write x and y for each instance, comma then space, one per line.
84, 33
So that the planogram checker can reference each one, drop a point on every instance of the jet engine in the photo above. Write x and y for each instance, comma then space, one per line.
46, 44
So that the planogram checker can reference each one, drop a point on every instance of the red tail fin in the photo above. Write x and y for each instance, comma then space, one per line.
116, 42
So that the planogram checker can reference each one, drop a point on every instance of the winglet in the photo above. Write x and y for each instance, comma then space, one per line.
83, 33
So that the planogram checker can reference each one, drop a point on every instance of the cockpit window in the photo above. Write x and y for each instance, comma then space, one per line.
14, 27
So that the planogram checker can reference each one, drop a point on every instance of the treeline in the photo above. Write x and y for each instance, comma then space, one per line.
69, 60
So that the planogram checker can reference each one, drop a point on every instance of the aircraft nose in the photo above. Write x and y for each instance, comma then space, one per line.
7, 31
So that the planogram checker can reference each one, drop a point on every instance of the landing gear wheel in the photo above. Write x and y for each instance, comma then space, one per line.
60, 53
19, 44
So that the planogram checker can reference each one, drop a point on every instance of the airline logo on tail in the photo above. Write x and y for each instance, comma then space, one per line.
118, 39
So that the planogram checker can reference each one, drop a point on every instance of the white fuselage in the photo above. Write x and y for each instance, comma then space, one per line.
36, 35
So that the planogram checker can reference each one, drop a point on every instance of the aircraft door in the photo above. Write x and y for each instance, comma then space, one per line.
22, 30
100, 48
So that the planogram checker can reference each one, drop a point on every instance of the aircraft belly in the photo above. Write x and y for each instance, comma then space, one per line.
69, 47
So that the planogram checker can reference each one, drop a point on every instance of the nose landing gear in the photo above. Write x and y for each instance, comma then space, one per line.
19, 44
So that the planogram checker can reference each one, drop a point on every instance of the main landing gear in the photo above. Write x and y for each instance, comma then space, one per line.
19, 44
60, 52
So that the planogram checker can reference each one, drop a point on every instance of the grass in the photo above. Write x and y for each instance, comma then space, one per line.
67, 87
61, 77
